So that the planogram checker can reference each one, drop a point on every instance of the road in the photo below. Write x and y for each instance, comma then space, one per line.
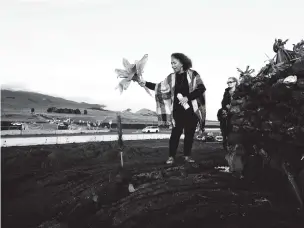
45, 133
30, 140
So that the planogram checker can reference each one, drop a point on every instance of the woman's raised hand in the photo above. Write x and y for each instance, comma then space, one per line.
142, 83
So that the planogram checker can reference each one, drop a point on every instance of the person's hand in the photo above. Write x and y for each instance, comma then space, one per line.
142, 83
224, 113
183, 101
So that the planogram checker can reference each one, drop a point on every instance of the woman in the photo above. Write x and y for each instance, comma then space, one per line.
223, 114
170, 109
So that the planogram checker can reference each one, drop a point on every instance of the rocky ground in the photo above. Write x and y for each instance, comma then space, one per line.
81, 185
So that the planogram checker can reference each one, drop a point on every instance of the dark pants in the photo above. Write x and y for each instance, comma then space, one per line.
184, 120
226, 128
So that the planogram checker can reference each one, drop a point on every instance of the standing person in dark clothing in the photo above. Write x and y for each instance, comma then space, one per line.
223, 113
222, 118
180, 102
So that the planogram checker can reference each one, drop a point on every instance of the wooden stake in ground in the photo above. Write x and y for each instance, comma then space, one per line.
120, 142
293, 183
123, 172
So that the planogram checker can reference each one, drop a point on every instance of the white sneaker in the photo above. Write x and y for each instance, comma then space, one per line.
188, 159
170, 161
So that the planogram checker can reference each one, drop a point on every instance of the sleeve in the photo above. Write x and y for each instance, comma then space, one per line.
199, 90
150, 85
219, 114
225, 101
164, 87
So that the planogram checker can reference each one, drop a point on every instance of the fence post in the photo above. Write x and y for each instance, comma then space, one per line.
120, 142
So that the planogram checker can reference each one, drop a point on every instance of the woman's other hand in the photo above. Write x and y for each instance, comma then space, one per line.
224, 113
183, 101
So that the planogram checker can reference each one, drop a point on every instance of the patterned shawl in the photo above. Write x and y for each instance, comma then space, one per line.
164, 96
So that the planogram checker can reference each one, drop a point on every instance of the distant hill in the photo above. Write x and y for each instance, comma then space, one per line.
18, 100
127, 111
16, 106
146, 112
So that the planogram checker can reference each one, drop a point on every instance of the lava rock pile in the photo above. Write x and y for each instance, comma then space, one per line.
267, 111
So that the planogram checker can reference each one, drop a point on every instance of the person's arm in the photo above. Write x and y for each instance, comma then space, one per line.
219, 114
197, 92
200, 88
150, 85
225, 101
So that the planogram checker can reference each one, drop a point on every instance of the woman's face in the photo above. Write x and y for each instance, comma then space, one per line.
176, 65
231, 83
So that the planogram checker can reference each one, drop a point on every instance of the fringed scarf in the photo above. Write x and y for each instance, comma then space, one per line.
164, 96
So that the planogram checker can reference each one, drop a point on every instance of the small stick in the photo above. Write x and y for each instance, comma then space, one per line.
120, 142
121, 159
293, 184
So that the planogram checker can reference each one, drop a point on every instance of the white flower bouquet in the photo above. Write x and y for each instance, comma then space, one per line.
132, 72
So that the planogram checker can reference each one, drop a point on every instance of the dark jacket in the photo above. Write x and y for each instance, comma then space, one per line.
225, 119
226, 99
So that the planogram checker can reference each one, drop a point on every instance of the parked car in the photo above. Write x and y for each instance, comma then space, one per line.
209, 137
150, 129
219, 138
201, 138
62, 126
16, 126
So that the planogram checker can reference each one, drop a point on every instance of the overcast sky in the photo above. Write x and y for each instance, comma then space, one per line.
71, 48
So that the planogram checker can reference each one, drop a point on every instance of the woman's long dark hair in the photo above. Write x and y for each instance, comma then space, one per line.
187, 63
